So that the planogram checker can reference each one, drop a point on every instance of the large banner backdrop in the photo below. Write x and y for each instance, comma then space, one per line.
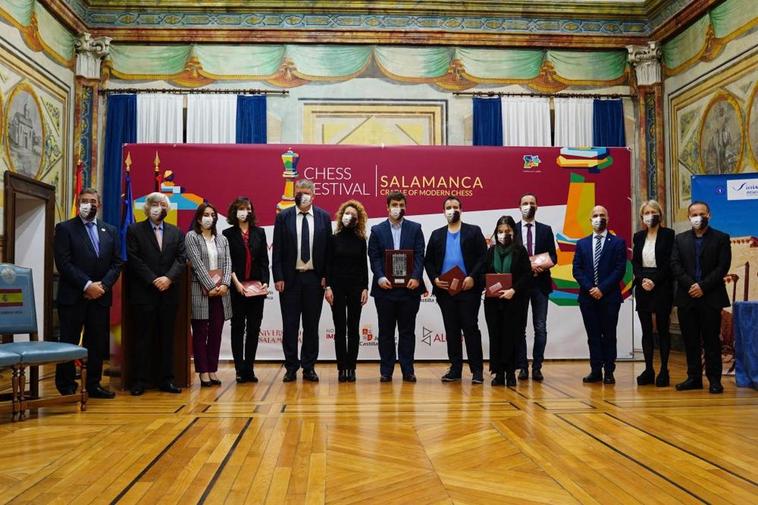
488, 180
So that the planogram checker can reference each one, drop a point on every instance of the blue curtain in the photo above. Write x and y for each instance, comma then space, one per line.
488, 122
608, 123
251, 119
120, 129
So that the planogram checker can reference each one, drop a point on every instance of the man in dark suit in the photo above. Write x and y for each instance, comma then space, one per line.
87, 255
156, 261
301, 241
538, 238
396, 306
599, 266
459, 245
700, 260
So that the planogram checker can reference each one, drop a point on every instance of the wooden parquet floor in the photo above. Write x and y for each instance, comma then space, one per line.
557, 442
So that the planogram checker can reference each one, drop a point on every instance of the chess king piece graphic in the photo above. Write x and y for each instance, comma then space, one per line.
290, 160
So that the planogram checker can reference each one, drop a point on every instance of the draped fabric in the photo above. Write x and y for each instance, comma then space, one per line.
526, 121
488, 122
573, 121
251, 119
608, 123
159, 118
120, 129
211, 119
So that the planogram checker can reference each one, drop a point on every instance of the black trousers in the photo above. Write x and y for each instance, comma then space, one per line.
505, 327
346, 312
400, 313
247, 313
94, 319
701, 326
460, 314
600, 321
662, 323
154, 324
303, 297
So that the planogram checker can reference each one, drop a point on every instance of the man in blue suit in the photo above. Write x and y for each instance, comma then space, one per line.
396, 306
301, 240
599, 266
87, 256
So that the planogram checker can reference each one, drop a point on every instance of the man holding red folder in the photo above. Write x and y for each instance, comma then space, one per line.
454, 262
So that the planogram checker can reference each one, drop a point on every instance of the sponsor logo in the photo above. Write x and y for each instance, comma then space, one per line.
531, 161
367, 336
430, 337
745, 189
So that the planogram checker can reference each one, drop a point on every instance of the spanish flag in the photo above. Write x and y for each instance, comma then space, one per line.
11, 297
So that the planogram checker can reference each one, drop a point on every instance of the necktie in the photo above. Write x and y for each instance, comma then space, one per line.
596, 259
529, 243
159, 237
305, 241
92, 231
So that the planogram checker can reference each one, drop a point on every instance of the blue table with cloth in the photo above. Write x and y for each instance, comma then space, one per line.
745, 320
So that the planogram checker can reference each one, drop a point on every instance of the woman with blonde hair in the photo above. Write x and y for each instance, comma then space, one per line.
347, 284
653, 288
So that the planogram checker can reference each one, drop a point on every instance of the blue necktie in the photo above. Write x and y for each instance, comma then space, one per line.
596, 259
92, 232
305, 241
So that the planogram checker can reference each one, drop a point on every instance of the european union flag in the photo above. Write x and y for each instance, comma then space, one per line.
127, 212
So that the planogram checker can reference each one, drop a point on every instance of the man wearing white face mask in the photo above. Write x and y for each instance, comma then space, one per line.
87, 255
461, 245
699, 262
537, 238
302, 235
155, 261
599, 267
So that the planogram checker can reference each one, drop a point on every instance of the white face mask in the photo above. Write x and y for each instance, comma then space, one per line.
696, 221
599, 223
527, 211
155, 212
85, 211
206, 222
305, 200
651, 219
242, 215
396, 213
347, 219
504, 238
453, 215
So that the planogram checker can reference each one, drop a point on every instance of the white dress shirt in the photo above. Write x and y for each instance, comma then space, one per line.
524, 229
212, 252
299, 265
648, 252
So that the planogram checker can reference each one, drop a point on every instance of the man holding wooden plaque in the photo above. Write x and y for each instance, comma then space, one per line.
396, 253
539, 241
454, 262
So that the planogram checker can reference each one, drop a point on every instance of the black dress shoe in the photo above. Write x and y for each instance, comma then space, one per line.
593, 377
609, 378
690, 384
510, 380
537, 375
170, 387
646, 377
409, 378
67, 391
499, 380
138, 390
715, 388
385, 378
98, 392
351, 375
241, 379
662, 380
477, 378
523, 374
289, 376
310, 375
342, 377
215, 382
451, 376
251, 377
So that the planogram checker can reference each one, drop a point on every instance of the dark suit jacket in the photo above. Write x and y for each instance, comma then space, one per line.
521, 270
411, 237
77, 263
544, 242
715, 260
258, 250
664, 243
146, 262
611, 267
284, 253
473, 248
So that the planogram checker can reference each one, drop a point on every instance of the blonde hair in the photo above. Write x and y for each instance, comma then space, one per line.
360, 226
653, 204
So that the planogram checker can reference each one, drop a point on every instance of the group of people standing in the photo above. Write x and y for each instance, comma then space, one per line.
311, 262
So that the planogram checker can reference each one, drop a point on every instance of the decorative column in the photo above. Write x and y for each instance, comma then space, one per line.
646, 61
89, 54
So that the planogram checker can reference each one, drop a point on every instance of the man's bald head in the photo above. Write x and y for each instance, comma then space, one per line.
599, 218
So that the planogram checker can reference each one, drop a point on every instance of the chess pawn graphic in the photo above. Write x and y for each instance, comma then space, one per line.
290, 160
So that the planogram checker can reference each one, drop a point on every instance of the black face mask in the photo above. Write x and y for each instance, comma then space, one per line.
655, 220
507, 240
456, 217
531, 213
92, 212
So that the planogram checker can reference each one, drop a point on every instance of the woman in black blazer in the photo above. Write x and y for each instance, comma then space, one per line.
505, 315
653, 288
249, 252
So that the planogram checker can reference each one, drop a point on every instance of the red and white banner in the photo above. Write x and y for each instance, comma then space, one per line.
488, 180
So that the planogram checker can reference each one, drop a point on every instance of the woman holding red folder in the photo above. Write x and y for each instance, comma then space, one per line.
505, 309
211, 275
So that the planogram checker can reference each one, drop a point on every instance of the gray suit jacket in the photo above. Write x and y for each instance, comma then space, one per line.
197, 253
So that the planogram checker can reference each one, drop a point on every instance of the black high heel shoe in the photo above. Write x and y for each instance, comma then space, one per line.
205, 384
351, 375
342, 377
